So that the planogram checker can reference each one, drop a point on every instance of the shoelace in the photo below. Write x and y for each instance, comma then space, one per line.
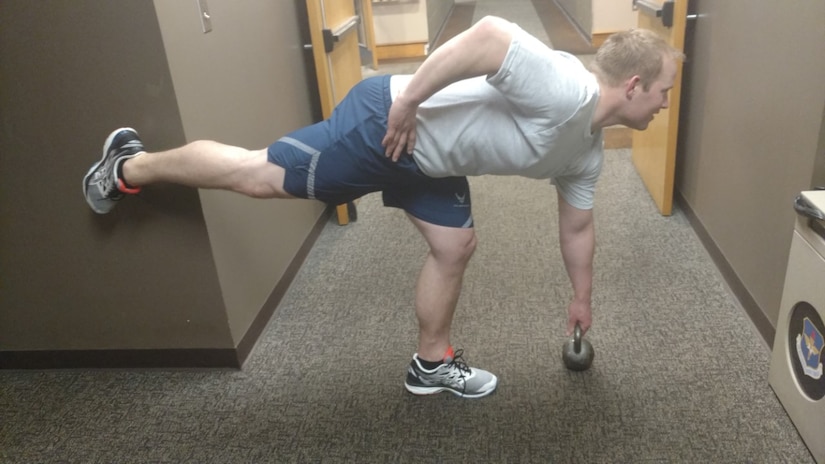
459, 363
107, 184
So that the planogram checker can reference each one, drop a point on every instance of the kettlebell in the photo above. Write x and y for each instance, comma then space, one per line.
577, 353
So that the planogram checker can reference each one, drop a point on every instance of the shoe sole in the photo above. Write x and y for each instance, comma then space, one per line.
422, 391
94, 167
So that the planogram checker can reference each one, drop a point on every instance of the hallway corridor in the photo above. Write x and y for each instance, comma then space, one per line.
680, 374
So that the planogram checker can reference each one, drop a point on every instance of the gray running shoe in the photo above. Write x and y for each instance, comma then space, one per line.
454, 376
101, 185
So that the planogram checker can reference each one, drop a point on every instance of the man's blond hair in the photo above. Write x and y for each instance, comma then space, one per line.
630, 53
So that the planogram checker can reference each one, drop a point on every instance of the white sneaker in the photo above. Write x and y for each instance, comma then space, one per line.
101, 185
453, 375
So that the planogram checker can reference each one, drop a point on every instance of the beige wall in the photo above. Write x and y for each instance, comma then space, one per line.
400, 22
612, 16
415, 21
751, 124
599, 16
243, 83
171, 268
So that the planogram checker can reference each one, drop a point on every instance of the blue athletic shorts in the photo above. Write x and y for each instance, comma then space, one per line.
341, 159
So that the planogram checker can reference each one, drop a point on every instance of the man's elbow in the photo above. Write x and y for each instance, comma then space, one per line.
492, 22
493, 28
494, 35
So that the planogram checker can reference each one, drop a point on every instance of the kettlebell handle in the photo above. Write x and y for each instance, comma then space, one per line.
577, 339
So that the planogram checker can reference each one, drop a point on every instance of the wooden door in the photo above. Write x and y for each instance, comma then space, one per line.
333, 28
654, 149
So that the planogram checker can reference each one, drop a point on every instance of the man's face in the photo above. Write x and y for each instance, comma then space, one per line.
643, 105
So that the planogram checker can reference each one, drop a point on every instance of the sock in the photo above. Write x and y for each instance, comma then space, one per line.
430, 365
120, 177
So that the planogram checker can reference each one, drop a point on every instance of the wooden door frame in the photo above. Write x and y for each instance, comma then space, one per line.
658, 169
317, 17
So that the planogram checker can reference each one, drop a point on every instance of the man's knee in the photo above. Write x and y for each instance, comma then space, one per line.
261, 178
456, 250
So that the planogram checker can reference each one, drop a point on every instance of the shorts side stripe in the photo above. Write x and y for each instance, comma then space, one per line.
311, 176
299, 145
312, 164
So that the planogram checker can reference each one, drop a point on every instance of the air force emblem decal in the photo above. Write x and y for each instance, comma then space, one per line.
809, 349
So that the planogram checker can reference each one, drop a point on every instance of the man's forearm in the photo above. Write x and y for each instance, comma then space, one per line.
577, 249
577, 238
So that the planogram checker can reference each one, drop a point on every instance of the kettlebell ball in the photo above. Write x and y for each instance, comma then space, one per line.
577, 353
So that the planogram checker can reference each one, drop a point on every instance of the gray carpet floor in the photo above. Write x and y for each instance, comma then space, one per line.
680, 373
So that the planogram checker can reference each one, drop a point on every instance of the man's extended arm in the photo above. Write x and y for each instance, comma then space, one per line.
478, 51
578, 241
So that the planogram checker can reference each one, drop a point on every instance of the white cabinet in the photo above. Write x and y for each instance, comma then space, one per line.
406, 28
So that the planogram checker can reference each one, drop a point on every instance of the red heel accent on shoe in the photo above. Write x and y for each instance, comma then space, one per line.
449, 354
125, 189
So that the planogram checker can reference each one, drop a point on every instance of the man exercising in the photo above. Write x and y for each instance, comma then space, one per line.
493, 100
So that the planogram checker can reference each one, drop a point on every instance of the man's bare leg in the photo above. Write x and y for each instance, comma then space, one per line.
436, 367
125, 167
211, 165
439, 285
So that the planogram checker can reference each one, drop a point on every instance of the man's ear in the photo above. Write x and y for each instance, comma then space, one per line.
631, 86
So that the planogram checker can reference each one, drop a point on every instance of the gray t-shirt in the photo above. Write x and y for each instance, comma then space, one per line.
532, 118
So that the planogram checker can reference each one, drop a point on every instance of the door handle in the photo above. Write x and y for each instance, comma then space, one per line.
332, 36
663, 11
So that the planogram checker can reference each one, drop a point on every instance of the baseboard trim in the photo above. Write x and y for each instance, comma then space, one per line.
746, 300
171, 358
599, 38
398, 51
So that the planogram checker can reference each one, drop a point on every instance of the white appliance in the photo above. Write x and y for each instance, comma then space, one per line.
796, 372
